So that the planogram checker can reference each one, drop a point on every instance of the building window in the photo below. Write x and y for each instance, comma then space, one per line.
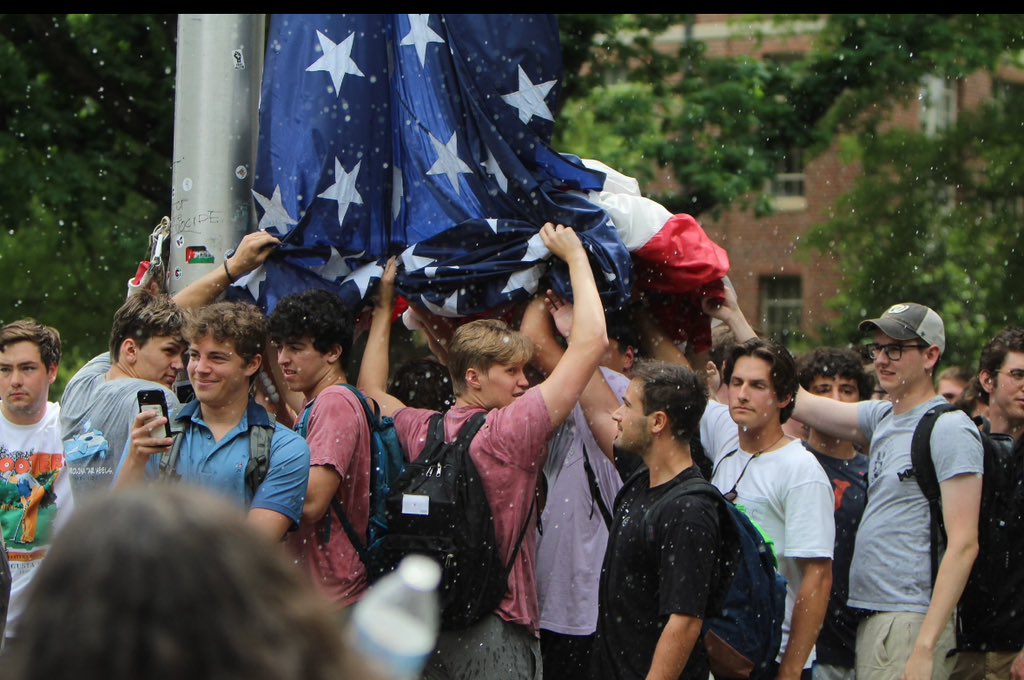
788, 189
938, 104
781, 307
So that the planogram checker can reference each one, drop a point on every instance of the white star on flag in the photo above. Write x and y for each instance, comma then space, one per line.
336, 60
450, 307
274, 214
361, 276
252, 281
448, 162
529, 99
420, 35
412, 262
397, 192
527, 278
344, 189
491, 165
336, 267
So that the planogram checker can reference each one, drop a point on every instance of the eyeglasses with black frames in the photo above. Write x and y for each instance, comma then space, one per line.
893, 351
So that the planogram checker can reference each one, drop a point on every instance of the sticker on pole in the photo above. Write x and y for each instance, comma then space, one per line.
198, 255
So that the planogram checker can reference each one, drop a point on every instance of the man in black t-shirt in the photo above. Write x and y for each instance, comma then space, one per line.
660, 567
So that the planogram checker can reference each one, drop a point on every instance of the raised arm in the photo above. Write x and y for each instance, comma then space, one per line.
562, 389
251, 252
656, 342
728, 311
373, 372
598, 400
828, 416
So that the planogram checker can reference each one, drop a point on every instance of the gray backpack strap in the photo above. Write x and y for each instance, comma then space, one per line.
260, 437
169, 460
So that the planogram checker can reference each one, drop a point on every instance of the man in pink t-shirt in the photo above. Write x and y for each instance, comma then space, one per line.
486, 360
312, 331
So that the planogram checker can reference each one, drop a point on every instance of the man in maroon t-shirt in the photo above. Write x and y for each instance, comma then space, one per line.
486, 360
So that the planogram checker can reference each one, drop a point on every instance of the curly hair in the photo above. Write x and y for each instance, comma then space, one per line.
316, 314
46, 338
168, 582
1010, 339
676, 390
239, 323
835, 362
423, 383
783, 369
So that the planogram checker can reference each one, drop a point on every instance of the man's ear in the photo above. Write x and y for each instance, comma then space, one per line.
629, 358
333, 355
987, 380
253, 365
51, 373
129, 353
931, 356
472, 378
657, 422
787, 401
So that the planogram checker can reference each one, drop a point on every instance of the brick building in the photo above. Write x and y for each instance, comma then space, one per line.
782, 287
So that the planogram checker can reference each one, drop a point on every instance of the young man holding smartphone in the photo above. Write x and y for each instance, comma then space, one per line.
226, 342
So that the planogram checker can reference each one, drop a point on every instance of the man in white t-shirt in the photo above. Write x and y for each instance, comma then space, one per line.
34, 484
781, 486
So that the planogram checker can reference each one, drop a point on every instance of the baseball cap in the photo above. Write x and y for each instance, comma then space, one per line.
907, 321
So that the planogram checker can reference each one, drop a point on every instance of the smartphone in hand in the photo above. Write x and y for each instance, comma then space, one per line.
153, 400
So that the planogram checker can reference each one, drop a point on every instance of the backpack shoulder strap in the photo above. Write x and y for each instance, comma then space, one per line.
924, 473
260, 438
595, 490
169, 459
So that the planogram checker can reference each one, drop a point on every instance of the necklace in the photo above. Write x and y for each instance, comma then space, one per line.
732, 493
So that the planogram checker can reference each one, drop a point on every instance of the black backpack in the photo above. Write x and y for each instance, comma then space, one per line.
742, 629
438, 508
996, 520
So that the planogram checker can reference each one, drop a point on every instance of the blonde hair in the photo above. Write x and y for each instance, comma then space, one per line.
482, 344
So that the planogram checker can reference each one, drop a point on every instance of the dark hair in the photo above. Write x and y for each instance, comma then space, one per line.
316, 314
168, 582
972, 395
46, 338
423, 383
783, 369
623, 329
144, 316
240, 323
835, 362
678, 391
1010, 339
722, 342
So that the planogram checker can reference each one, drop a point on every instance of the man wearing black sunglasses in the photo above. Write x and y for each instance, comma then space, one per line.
908, 629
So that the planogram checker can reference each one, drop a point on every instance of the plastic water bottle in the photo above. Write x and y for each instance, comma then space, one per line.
394, 627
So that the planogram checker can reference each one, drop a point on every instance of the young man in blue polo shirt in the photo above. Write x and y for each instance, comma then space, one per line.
226, 341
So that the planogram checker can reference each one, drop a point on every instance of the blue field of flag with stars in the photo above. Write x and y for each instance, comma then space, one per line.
425, 136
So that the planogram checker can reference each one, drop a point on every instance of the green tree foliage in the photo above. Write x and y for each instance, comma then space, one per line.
87, 109
934, 219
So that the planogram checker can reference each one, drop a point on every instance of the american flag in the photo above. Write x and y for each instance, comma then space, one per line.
428, 136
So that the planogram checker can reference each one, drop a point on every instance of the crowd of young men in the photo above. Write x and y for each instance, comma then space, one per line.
608, 581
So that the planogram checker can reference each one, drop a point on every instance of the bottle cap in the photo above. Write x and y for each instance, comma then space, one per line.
420, 572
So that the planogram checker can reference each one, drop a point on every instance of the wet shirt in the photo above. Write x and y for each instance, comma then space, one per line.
96, 419
653, 569
508, 452
891, 569
338, 438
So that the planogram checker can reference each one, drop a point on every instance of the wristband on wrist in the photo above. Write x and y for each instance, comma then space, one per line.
231, 279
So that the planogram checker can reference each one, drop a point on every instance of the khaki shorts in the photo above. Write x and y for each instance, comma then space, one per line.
983, 666
885, 641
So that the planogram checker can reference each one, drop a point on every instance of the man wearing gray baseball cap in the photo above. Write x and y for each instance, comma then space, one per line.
908, 627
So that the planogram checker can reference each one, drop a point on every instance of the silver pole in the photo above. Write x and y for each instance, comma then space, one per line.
217, 86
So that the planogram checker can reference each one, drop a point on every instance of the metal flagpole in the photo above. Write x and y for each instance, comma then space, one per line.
216, 103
